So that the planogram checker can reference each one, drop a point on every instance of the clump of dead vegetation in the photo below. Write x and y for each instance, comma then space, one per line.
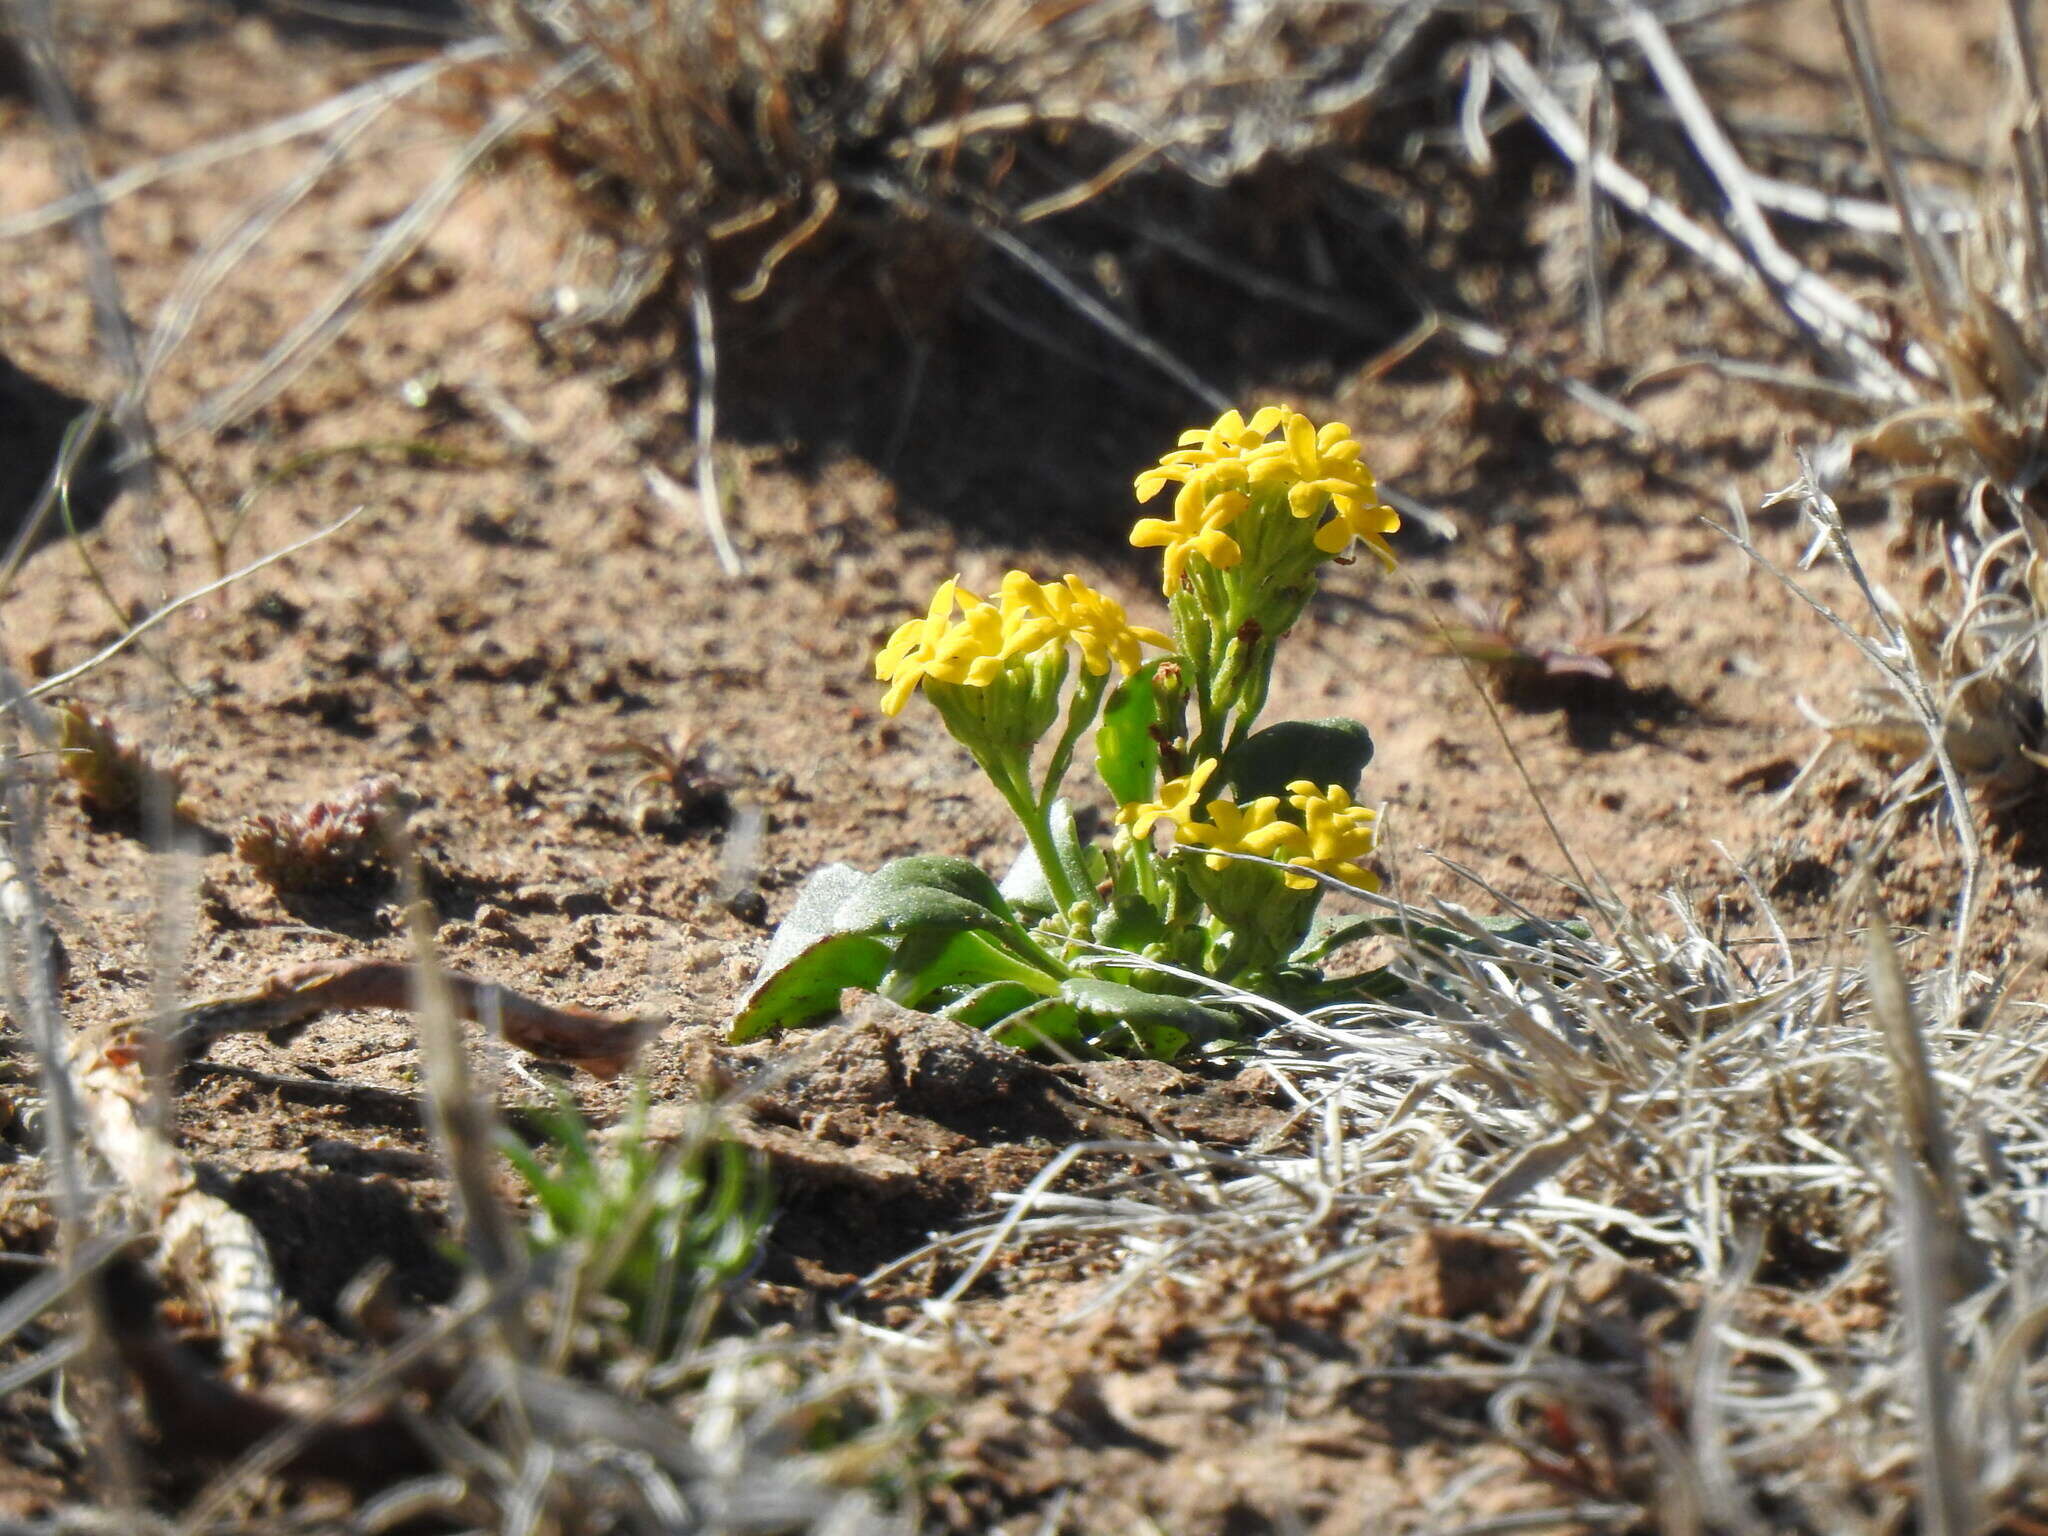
329, 845
1755, 1256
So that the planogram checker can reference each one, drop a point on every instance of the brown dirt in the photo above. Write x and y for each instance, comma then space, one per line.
514, 604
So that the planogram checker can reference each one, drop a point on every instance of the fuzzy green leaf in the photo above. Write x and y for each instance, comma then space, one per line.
808, 986
928, 892
1325, 752
1164, 1026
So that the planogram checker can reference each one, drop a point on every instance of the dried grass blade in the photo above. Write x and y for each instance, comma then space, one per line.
1922, 1130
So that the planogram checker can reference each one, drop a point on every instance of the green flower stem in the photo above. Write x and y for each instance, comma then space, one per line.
1013, 783
1136, 855
1021, 942
1081, 712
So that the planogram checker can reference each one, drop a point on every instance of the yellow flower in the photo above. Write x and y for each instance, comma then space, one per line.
1197, 529
1322, 467
1073, 610
1205, 450
1339, 833
967, 650
1254, 827
1176, 802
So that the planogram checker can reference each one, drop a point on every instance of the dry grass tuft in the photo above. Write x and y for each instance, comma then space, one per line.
1813, 1172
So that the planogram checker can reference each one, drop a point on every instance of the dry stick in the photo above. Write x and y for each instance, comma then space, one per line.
385, 88
399, 238
29, 976
2029, 152
107, 653
710, 505
1854, 23
1801, 287
1599, 132
1862, 214
1946, 1507
36, 30
212, 1250
1557, 123
286, 1001
1388, 51
1916, 1118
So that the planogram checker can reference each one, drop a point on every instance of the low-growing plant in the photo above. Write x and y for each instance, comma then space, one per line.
331, 844
659, 1230
114, 776
1092, 947
1525, 668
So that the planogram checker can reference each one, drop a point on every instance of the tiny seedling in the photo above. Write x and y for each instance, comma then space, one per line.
659, 1230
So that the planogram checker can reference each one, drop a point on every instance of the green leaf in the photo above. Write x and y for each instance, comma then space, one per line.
1327, 936
1126, 751
961, 959
990, 1004
1049, 1024
1025, 886
1378, 985
929, 891
1158, 1022
811, 916
808, 986
1325, 752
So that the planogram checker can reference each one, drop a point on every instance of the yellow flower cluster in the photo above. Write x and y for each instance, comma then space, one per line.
1030, 615
1331, 837
1219, 468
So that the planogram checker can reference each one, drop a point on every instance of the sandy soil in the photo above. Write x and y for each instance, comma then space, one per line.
514, 607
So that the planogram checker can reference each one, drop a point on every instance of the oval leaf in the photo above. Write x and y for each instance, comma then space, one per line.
1147, 1011
932, 892
1325, 752
991, 1004
808, 986
1047, 1025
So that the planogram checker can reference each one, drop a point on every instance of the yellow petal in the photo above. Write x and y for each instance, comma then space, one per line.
1150, 531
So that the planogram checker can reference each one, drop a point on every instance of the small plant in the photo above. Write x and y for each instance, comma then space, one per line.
675, 788
1071, 950
114, 777
659, 1230
330, 844
1528, 671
